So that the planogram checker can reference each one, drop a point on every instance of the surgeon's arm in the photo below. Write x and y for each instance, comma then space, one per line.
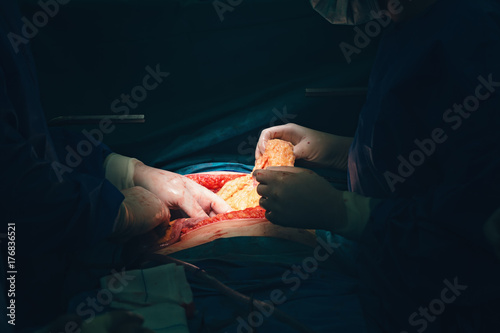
73, 213
139, 212
408, 247
55, 206
174, 190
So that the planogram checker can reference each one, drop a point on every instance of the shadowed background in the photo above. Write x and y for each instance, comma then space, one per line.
228, 79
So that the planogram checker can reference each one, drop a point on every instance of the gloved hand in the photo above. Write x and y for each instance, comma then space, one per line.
140, 212
295, 197
111, 322
177, 191
319, 148
491, 230
174, 190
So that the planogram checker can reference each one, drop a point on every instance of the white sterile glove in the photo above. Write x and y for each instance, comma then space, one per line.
319, 148
140, 212
179, 192
150, 193
120, 170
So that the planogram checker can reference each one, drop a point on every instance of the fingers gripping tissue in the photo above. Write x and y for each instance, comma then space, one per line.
278, 153
239, 191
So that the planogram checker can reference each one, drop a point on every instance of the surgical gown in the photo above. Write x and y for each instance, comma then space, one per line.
428, 145
55, 213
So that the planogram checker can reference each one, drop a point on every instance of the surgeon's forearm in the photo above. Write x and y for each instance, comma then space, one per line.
342, 146
357, 214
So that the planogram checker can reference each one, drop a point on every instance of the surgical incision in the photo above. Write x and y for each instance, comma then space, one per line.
239, 191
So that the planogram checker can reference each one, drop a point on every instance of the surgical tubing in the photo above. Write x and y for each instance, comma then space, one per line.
234, 295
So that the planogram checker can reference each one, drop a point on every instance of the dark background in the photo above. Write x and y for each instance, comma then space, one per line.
227, 78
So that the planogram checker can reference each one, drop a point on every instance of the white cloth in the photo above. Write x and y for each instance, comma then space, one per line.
158, 294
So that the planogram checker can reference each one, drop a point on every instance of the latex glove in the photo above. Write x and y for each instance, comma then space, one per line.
319, 148
140, 212
120, 170
295, 197
179, 192
492, 231
111, 322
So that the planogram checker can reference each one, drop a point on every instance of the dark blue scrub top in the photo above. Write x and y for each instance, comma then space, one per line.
55, 216
428, 143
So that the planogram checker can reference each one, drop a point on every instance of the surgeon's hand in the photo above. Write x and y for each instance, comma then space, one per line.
140, 212
319, 148
295, 197
491, 230
179, 192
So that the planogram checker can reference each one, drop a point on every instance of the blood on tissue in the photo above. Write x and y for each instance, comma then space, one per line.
277, 153
249, 213
213, 182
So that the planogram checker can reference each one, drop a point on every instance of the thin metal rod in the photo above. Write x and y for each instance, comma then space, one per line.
328, 92
96, 119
